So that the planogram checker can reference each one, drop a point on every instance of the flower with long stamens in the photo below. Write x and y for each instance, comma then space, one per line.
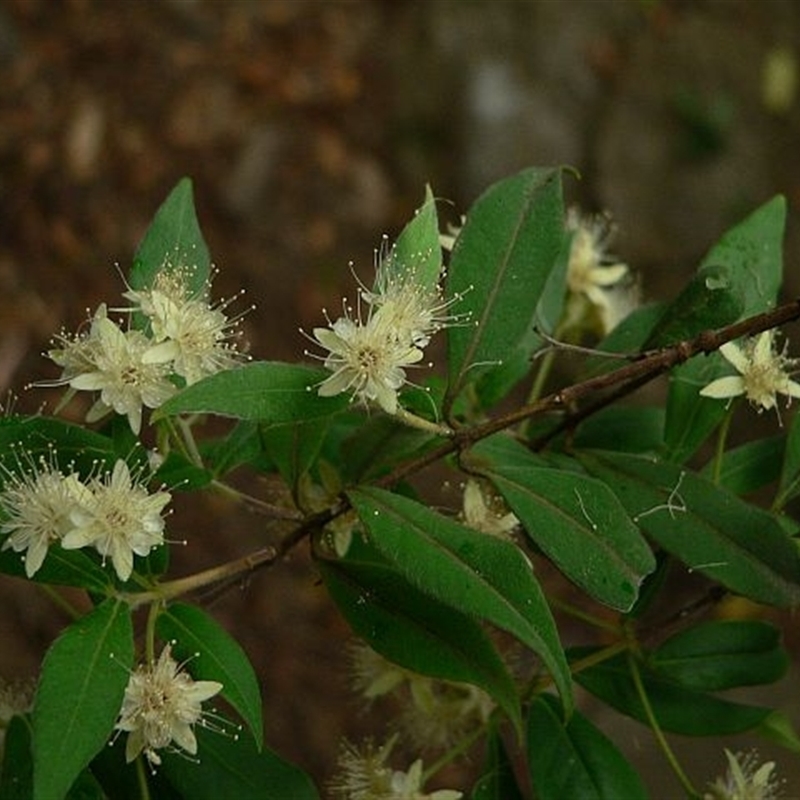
762, 373
366, 359
745, 780
161, 705
364, 775
192, 336
119, 518
37, 505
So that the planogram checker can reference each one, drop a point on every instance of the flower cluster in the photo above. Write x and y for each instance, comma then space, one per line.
762, 373
112, 512
364, 775
162, 704
745, 780
184, 340
369, 354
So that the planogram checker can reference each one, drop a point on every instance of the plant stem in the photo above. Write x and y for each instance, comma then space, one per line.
584, 616
141, 777
61, 601
413, 421
656, 728
150, 631
255, 503
722, 437
455, 751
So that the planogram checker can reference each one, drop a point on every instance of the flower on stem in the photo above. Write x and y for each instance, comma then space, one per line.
119, 518
162, 704
192, 336
37, 505
112, 361
364, 775
367, 360
762, 373
745, 780
485, 512
594, 284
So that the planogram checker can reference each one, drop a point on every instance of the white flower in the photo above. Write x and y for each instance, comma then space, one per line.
119, 518
590, 277
37, 507
367, 360
364, 775
745, 780
161, 705
111, 361
762, 373
192, 336
485, 512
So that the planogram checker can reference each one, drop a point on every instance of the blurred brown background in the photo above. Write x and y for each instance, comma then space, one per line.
309, 129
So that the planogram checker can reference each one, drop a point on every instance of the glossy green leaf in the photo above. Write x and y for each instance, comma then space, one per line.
575, 759
717, 655
740, 276
497, 781
576, 520
789, 485
79, 696
417, 249
236, 769
212, 654
677, 708
750, 466
500, 264
413, 629
268, 391
480, 575
711, 530
241, 446
173, 240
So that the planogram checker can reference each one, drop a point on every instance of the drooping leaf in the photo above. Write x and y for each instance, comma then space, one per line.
576, 520
267, 391
213, 655
740, 276
413, 629
717, 655
480, 575
173, 240
497, 781
235, 768
575, 759
79, 696
500, 263
711, 530
677, 708
417, 248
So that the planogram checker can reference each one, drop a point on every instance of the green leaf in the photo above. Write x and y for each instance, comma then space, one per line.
575, 759
234, 768
717, 655
61, 568
498, 781
294, 448
711, 530
417, 248
481, 576
16, 777
740, 276
79, 696
173, 240
178, 473
211, 654
500, 263
631, 429
576, 520
24, 439
778, 728
268, 391
790, 470
413, 629
677, 709
751, 466
241, 446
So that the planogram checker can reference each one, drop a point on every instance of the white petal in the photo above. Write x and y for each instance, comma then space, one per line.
730, 386
735, 355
